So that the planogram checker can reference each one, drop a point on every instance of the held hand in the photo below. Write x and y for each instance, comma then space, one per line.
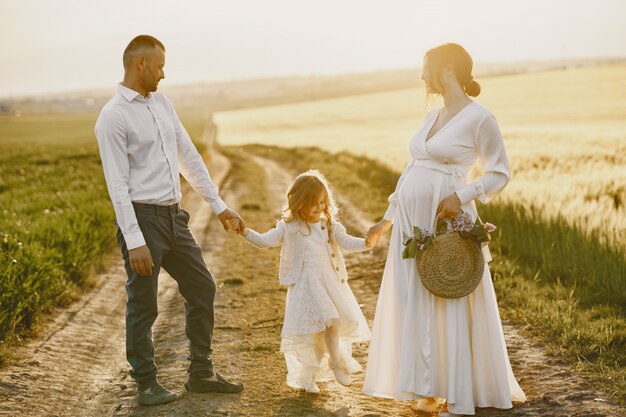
375, 233
234, 224
229, 215
141, 260
449, 207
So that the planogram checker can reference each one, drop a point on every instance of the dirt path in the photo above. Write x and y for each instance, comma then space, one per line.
79, 368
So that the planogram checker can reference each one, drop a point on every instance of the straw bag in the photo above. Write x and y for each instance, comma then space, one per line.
452, 266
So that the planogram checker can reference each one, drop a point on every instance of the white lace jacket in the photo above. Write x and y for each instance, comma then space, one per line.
292, 235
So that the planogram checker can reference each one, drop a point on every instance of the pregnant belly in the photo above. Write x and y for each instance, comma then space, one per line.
421, 191
421, 184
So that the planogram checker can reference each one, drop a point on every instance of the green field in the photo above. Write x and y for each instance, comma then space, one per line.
56, 220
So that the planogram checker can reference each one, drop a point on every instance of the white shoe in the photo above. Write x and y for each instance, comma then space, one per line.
430, 404
341, 373
313, 388
449, 414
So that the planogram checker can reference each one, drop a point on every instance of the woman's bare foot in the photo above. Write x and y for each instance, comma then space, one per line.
431, 404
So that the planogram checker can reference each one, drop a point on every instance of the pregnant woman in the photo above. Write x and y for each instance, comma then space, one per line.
424, 347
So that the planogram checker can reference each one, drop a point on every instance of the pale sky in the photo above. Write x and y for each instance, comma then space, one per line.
65, 45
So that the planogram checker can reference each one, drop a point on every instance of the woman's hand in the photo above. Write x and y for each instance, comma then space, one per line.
449, 207
375, 232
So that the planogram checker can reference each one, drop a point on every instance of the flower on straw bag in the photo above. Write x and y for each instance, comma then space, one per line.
449, 260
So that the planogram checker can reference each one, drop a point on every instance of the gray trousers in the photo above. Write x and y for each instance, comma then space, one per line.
173, 247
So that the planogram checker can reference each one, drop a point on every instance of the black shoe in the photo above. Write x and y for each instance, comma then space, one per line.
196, 384
155, 394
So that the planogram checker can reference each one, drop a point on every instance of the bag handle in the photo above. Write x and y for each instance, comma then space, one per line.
438, 217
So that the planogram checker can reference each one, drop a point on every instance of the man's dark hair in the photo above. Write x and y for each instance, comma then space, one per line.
140, 45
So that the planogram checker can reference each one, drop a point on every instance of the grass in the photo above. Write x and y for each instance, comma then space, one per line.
561, 284
56, 220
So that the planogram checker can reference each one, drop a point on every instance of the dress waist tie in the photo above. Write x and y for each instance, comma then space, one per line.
450, 169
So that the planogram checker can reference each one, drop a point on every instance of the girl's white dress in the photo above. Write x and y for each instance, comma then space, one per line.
426, 346
320, 294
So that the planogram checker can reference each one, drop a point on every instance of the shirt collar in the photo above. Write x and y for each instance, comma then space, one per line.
127, 93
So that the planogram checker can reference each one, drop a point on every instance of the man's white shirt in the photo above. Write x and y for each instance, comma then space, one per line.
144, 148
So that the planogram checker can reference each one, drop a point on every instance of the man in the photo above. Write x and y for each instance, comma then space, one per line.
142, 146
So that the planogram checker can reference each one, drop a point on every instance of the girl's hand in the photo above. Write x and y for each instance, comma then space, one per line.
449, 207
375, 233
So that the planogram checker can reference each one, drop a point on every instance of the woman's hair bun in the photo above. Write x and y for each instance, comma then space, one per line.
472, 89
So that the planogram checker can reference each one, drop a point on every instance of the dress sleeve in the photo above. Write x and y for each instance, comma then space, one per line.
393, 198
269, 239
347, 242
494, 163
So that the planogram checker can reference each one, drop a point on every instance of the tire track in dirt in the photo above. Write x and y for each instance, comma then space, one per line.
341, 401
118, 396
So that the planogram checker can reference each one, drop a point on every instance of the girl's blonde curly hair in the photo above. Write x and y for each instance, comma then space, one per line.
302, 195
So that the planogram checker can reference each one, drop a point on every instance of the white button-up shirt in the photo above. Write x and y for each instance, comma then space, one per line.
144, 148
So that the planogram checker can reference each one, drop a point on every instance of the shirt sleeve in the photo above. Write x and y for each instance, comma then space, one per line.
112, 142
347, 242
192, 167
393, 198
494, 163
269, 239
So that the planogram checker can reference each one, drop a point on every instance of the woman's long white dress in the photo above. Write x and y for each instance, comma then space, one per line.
426, 346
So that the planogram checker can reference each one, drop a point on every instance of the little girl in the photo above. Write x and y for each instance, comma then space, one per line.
322, 317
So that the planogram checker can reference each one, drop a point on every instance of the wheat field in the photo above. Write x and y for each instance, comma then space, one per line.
565, 132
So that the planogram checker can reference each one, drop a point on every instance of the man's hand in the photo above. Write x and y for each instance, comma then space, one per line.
141, 260
227, 215
234, 224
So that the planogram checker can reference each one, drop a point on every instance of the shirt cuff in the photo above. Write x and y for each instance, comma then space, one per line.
134, 241
218, 205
